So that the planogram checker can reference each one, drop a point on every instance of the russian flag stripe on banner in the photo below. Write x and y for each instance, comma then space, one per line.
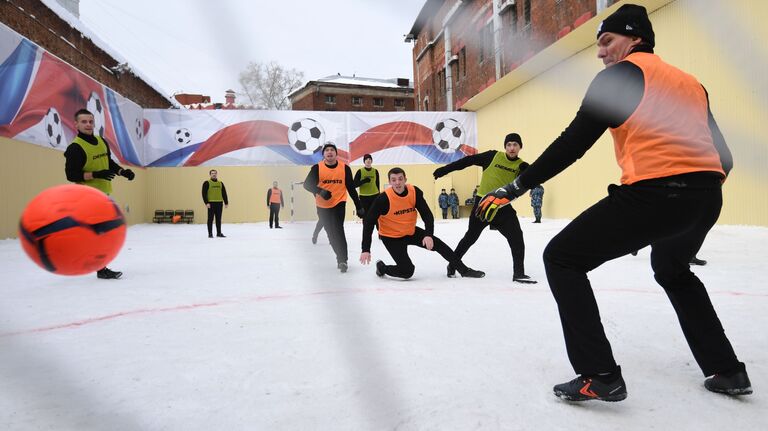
15, 75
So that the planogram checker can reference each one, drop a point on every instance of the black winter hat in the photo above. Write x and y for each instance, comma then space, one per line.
629, 20
513, 137
332, 145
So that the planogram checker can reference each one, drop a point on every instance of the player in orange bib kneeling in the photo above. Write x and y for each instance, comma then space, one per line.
395, 210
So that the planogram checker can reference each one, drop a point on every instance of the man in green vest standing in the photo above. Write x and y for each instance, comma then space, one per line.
214, 196
498, 167
367, 179
89, 162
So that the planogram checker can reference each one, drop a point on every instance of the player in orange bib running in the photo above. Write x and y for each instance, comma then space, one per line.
395, 210
330, 181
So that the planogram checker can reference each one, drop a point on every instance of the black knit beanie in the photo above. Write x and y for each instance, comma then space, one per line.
629, 20
332, 145
513, 137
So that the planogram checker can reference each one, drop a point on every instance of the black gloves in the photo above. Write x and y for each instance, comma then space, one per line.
325, 194
440, 172
360, 212
127, 173
105, 174
365, 180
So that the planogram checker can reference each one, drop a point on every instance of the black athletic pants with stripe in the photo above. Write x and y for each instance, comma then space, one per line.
507, 224
398, 249
332, 219
673, 216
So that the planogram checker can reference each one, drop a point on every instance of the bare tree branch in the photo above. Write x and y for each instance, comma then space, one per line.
267, 85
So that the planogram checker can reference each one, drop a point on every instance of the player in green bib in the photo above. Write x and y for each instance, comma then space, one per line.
367, 179
215, 199
498, 169
89, 162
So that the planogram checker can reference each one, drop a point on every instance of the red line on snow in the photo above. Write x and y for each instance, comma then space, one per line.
188, 307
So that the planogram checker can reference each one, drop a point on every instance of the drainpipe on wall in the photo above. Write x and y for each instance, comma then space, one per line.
448, 73
448, 54
497, 37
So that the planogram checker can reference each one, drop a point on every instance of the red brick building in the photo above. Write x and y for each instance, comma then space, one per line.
62, 34
462, 47
344, 93
199, 101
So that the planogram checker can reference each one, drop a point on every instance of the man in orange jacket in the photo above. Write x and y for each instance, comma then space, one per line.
673, 160
395, 211
274, 203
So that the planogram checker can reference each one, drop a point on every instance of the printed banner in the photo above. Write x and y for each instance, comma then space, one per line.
39, 95
279, 138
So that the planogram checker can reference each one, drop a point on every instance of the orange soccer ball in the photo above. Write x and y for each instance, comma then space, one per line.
72, 229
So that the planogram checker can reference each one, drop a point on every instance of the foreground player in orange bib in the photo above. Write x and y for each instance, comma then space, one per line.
673, 160
395, 210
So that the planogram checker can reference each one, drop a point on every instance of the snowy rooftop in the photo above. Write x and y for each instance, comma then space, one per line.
371, 82
259, 331
78, 25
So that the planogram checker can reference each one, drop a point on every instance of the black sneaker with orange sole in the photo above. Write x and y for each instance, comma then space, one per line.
584, 388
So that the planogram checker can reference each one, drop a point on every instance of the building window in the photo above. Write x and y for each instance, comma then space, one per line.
463, 61
330, 99
509, 20
357, 101
486, 41
441, 76
399, 103
378, 102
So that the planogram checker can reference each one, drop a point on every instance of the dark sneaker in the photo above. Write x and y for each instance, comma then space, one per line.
735, 384
634, 253
380, 268
314, 239
342, 266
472, 273
522, 278
220, 235
450, 271
697, 261
108, 274
278, 227
210, 236
586, 388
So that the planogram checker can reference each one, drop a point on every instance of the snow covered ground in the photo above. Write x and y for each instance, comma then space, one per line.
259, 331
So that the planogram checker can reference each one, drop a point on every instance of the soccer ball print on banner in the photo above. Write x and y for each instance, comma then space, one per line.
306, 136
